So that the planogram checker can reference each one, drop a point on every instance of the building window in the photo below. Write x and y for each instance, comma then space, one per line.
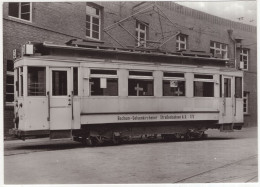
10, 82
219, 50
203, 85
140, 83
103, 83
93, 21
141, 34
181, 42
21, 10
245, 102
244, 54
173, 84
36, 81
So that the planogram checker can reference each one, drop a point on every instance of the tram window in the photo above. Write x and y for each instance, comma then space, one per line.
59, 83
103, 86
75, 81
103, 72
21, 79
173, 84
139, 87
173, 88
36, 81
168, 74
203, 89
17, 82
227, 87
238, 87
198, 76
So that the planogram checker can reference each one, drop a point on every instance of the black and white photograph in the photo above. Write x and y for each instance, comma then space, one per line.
129, 93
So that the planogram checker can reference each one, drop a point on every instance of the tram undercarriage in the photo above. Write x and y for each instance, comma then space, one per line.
118, 133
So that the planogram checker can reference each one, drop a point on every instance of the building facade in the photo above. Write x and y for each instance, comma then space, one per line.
162, 25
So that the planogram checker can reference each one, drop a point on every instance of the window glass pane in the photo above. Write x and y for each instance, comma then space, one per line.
14, 9
212, 51
10, 65
211, 44
227, 87
21, 79
75, 81
238, 87
142, 35
9, 97
140, 73
59, 83
25, 7
95, 28
182, 46
203, 89
10, 88
198, 76
25, 16
10, 79
103, 86
137, 87
103, 72
87, 32
36, 81
95, 35
173, 88
217, 45
142, 26
182, 38
166, 74
17, 82
87, 18
88, 25
96, 21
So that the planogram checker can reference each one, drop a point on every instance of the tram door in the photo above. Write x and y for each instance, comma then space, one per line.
228, 99
60, 99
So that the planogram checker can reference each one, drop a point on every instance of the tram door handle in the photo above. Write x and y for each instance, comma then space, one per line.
69, 100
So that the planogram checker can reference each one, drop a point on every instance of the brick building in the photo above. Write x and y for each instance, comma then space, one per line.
163, 25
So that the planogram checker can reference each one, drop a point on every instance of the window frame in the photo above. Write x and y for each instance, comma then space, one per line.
242, 54
19, 13
99, 17
209, 80
140, 77
165, 78
219, 49
138, 30
179, 42
245, 104
103, 76
45, 82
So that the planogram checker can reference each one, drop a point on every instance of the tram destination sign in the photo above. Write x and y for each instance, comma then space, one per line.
122, 118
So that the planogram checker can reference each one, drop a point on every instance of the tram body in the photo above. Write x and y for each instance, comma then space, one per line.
97, 94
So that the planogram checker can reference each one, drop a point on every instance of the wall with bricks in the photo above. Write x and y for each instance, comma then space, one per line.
61, 21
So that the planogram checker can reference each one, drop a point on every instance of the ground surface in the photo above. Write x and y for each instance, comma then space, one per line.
224, 157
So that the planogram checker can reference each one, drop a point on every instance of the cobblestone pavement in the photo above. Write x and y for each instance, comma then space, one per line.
222, 158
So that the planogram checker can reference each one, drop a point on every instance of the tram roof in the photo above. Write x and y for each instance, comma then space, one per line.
103, 51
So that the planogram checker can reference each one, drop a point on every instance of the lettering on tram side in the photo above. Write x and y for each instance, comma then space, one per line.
156, 117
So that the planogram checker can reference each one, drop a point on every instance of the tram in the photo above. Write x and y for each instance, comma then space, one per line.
96, 93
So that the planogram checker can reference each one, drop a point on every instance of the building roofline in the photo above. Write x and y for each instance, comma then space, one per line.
197, 14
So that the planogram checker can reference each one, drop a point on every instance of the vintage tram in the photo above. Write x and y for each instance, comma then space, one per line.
95, 93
